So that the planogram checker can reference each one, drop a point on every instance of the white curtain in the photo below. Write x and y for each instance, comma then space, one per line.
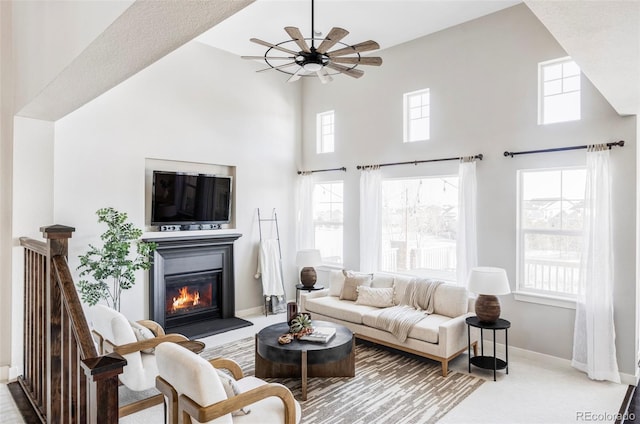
467, 248
370, 218
594, 348
304, 211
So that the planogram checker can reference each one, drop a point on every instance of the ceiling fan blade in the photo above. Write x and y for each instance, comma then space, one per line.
286, 65
297, 75
335, 35
324, 76
354, 73
374, 61
296, 36
365, 46
267, 57
273, 46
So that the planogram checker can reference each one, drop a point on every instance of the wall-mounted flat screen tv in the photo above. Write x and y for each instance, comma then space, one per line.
184, 198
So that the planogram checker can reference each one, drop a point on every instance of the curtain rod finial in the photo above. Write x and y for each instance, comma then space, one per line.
508, 154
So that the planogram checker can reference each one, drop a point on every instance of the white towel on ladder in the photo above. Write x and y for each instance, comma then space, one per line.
269, 268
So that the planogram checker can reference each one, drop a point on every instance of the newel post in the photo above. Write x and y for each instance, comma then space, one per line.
102, 373
57, 245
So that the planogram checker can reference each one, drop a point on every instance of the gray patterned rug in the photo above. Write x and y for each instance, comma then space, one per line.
389, 387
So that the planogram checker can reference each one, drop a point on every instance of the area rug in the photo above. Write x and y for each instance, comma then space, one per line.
389, 387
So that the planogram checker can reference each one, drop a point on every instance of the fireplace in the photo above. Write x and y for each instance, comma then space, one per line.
192, 288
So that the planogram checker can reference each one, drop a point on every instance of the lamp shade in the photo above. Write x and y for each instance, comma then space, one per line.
308, 258
488, 280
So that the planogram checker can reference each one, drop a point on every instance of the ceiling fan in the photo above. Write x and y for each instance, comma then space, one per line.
314, 61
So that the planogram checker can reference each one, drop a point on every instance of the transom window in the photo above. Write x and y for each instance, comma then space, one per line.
325, 136
419, 226
559, 96
416, 116
550, 230
328, 212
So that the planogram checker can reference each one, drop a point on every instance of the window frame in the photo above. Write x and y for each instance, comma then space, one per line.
562, 79
321, 141
540, 296
315, 222
406, 117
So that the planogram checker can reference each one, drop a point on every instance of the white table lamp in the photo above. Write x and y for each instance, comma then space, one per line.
487, 283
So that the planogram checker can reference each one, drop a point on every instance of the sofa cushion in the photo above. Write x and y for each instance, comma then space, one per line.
351, 282
426, 330
400, 287
379, 297
382, 280
450, 300
336, 282
333, 307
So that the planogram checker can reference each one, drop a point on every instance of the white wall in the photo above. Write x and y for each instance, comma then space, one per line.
483, 81
196, 105
33, 208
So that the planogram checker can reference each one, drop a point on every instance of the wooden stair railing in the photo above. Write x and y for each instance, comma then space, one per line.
64, 378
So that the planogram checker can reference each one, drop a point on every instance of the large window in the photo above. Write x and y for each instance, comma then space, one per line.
559, 91
328, 220
416, 116
550, 231
419, 226
325, 138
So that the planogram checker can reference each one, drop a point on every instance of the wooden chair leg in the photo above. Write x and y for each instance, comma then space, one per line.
445, 368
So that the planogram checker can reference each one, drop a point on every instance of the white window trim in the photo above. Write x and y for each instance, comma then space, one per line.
319, 135
541, 95
523, 295
405, 115
543, 299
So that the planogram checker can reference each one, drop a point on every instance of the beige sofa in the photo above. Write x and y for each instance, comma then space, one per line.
440, 336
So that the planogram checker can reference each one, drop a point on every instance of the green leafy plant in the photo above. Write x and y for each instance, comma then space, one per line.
301, 325
112, 268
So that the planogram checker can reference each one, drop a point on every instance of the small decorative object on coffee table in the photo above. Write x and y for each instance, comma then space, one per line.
489, 362
336, 358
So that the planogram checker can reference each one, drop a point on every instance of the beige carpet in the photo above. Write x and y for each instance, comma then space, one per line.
389, 387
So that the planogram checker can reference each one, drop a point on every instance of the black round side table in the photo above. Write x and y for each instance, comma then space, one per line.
309, 289
489, 362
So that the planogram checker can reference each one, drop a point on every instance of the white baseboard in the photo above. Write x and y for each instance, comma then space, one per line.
243, 313
627, 379
258, 310
8, 374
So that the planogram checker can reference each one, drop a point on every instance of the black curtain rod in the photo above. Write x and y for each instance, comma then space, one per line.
415, 162
562, 149
322, 170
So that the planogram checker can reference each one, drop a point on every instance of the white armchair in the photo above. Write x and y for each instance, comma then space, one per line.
113, 333
194, 391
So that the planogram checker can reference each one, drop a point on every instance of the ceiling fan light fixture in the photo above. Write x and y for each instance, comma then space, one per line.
312, 67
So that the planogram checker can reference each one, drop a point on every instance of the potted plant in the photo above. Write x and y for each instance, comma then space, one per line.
112, 268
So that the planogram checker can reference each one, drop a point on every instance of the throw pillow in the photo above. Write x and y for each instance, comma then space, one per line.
232, 389
351, 283
142, 333
378, 297
382, 280
336, 282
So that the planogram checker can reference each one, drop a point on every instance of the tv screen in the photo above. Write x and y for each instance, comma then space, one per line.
182, 198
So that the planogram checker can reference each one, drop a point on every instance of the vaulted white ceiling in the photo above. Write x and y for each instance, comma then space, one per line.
603, 36
389, 22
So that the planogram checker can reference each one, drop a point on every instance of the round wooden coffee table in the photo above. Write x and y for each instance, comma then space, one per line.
336, 358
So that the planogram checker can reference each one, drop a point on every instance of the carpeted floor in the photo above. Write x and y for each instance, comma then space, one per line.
388, 387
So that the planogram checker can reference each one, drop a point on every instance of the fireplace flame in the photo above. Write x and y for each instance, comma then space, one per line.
185, 299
